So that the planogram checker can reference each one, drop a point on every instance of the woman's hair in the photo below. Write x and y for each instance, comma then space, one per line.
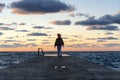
59, 35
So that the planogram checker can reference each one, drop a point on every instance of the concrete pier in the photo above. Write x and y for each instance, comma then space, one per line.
54, 68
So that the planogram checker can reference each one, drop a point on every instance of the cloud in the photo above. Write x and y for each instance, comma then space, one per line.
7, 46
65, 22
24, 45
109, 33
37, 34
42, 27
9, 37
31, 39
101, 40
107, 38
7, 24
1, 6
102, 27
111, 45
39, 6
72, 40
82, 45
72, 14
1, 23
15, 45
75, 45
6, 28
45, 42
48, 28
79, 14
90, 38
1, 33
14, 23
82, 14
104, 20
65, 37
6, 41
38, 27
112, 38
21, 30
22, 24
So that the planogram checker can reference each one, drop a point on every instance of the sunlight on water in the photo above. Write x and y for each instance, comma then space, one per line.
56, 55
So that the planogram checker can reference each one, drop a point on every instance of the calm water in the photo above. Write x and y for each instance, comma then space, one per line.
108, 59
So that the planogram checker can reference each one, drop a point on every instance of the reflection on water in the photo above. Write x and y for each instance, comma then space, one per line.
56, 55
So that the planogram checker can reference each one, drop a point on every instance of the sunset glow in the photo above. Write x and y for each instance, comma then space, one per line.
85, 25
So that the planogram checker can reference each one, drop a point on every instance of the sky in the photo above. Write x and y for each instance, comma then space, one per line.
85, 25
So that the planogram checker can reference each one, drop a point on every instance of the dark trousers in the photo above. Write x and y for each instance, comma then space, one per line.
59, 51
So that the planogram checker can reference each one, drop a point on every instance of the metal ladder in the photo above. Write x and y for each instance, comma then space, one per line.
41, 51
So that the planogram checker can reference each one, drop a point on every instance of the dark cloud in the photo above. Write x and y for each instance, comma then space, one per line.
82, 14
6, 28
14, 23
39, 6
90, 38
112, 38
1, 23
111, 45
104, 20
22, 31
1, 6
109, 33
65, 37
48, 28
22, 24
91, 22
31, 39
107, 38
9, 37
6, 41
75, 45
79, 14
15, 45
101, 40
91, 17
42, 27
7, 46
38, 27
24, 45
72, 40
102, 27
45, 42
37, 34
82, 45
65, 22
1, 33
76, 36
7, 24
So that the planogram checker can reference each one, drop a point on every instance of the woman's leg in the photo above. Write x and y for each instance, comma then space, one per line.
59, 50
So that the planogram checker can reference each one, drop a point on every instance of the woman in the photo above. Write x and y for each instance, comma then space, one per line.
59, 43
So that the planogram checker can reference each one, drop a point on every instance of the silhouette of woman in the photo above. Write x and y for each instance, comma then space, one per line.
59, 43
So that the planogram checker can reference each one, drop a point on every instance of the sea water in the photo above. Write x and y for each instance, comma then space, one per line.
110, 59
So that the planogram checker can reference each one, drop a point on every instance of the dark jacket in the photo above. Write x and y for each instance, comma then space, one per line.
59, 42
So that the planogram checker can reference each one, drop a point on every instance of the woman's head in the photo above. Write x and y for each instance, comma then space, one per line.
59, 35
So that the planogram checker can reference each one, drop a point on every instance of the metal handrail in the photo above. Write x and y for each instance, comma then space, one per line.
41, 51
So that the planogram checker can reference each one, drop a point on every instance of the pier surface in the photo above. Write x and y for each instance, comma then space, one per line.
54, 68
